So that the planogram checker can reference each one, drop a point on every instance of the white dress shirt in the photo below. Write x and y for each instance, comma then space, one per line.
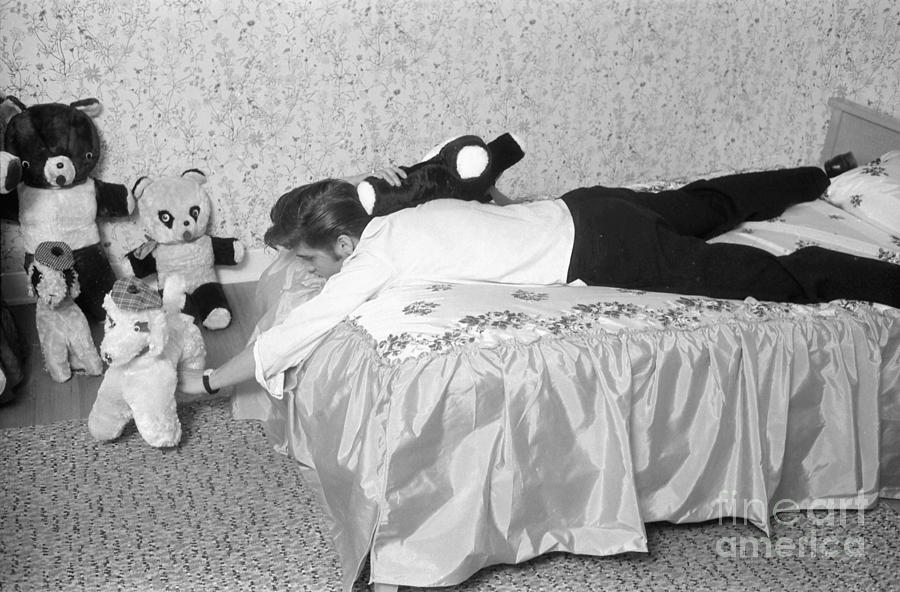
445, 240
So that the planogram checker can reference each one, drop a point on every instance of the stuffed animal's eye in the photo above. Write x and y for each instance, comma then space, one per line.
110, 323
195, 212
166, 218
141, 327
89, 156
25, 164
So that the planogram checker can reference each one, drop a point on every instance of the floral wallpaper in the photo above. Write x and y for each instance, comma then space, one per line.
264, 95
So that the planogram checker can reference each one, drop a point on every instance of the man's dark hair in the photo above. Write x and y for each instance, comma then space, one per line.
316, 214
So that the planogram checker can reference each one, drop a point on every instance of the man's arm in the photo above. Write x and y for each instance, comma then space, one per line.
240, 368
289, 343
499, 197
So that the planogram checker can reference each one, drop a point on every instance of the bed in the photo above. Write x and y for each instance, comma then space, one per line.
451, 427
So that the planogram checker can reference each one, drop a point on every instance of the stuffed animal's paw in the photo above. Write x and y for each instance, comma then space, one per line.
239, 251
108, 415
218, 318
159, 431
471, 161
366, 193
105, 429
59, 372
89, 364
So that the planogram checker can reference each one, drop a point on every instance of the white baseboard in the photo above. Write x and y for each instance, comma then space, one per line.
14, 285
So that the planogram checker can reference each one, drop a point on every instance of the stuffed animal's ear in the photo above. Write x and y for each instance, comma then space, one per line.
90, 107
108, 305
10, 171
158, 333
74, 284
195, 175
9, 108
34, 278
139, 186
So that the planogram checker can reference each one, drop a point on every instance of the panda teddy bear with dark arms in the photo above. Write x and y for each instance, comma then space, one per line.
49, 152
174, 212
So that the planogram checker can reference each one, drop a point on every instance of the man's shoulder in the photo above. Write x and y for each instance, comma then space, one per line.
435, 208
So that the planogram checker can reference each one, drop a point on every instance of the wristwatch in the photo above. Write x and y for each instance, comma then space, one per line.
206, 386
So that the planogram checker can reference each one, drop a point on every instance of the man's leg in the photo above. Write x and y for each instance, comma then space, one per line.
688, 265
709, 207
830, 275
620, 244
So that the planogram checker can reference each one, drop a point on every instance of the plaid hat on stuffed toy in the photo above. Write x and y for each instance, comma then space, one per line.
55, 255
134, 295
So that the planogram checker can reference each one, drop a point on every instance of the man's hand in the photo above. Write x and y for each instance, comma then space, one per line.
190, 382
394, 175
499, 197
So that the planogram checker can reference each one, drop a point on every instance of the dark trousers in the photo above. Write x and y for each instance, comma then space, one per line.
657, 242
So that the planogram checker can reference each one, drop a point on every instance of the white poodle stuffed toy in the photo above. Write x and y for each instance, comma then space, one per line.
62, 328
147, 340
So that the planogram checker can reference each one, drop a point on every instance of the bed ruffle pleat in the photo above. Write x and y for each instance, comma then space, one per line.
441, 465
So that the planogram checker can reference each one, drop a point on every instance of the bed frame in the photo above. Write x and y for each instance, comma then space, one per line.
861, 130
852, 128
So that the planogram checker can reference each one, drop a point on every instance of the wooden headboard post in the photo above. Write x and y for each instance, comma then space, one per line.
863, 131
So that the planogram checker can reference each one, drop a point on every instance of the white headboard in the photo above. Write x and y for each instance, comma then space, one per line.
863, 131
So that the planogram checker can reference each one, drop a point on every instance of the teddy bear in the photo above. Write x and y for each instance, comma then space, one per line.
463, 168
146, 341
49, 152
63, 330
174, 212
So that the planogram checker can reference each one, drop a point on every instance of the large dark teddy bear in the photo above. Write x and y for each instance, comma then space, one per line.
464, 168
49, 152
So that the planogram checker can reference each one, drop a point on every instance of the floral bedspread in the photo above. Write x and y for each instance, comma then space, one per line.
429, 319
818, 223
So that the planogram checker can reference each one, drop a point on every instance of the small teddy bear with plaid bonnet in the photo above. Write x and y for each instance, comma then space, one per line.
62, 328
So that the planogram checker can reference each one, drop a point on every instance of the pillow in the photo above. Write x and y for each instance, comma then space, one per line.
871, 192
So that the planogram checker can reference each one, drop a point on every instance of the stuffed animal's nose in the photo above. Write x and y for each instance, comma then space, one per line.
61, 179
59, 171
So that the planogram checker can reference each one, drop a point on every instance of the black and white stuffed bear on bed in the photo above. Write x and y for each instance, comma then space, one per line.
464, 168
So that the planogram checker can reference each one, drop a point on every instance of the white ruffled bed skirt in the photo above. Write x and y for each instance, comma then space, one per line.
439, 465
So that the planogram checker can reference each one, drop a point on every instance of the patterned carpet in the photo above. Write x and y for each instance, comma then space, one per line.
225, 512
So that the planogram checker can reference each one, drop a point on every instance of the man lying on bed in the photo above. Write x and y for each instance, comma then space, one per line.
602, 236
